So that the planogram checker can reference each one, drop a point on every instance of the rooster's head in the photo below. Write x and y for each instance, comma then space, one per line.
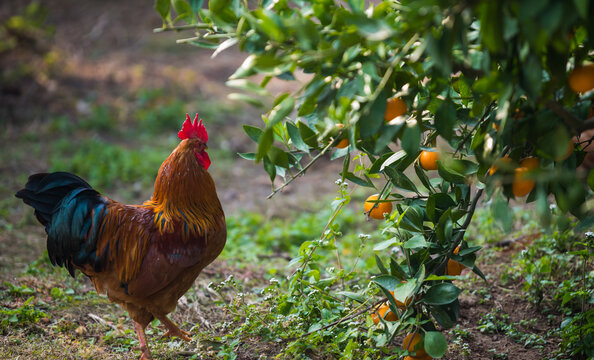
196, 133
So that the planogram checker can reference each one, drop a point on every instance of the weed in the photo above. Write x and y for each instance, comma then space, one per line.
21, 316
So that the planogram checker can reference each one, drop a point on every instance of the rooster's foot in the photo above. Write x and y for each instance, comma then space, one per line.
173, 330
178, 333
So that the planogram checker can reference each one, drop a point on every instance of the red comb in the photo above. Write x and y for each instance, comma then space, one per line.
193, 130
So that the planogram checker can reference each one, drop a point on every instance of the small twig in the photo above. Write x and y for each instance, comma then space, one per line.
305, 168
101, 321
182, 27
334, 323
479, 123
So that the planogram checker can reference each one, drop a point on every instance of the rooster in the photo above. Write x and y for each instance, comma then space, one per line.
144, 257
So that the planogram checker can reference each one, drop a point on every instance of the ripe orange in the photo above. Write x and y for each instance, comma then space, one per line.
531, 163
581, 78
496, 126
570, 148
385, 313
426, 357
410, 343
522, 184
342, 143
428, 159
377, 211
400, 304
394, 108
454, 268
494, 168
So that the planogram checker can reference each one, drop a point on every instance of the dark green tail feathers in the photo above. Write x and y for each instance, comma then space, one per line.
72, 213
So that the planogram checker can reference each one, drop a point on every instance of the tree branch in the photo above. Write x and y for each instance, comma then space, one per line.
460, 234
305, 168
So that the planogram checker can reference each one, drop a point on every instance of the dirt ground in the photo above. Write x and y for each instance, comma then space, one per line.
107, 50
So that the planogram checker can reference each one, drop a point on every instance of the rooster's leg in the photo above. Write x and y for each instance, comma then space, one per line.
172, 329
146, 354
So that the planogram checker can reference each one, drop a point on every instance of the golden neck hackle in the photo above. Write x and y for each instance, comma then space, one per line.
185, 194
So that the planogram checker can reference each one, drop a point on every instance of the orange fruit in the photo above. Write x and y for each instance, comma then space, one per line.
410, 343
428, 159
385, 313
400, 304
522, 185
395, 107
496, 126
530, 163
377, 211
494, 168
581, 78
426, 357
342, 143
454, 268
570, 148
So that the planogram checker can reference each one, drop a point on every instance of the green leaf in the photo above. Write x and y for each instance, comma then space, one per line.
437, 203
308, 135
183, 10
373, 116
445, 119
270, 169
502, 213
380, 265
582, 7
385, 244
248, 156
295, 136
411, 138
415, 242
441, 294
218, 6
585, 223
278, 157
399, 179
246, 98
264, 144
247, 85
388, 282
449, 174
441, 316
436, 344
359, 297
196, 5
359, 181
531, 75
281, 110
162, 7
491, 22
253, 132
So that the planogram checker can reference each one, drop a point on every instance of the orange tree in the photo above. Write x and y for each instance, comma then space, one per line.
477, 81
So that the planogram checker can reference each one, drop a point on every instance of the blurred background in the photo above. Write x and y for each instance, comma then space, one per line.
87, 87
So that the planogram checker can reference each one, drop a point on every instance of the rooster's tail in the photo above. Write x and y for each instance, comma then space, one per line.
72, 213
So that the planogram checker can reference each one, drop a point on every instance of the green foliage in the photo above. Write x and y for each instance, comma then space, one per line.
21, 316
483, 80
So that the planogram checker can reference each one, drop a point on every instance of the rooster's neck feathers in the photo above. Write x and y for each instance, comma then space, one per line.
185, 195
